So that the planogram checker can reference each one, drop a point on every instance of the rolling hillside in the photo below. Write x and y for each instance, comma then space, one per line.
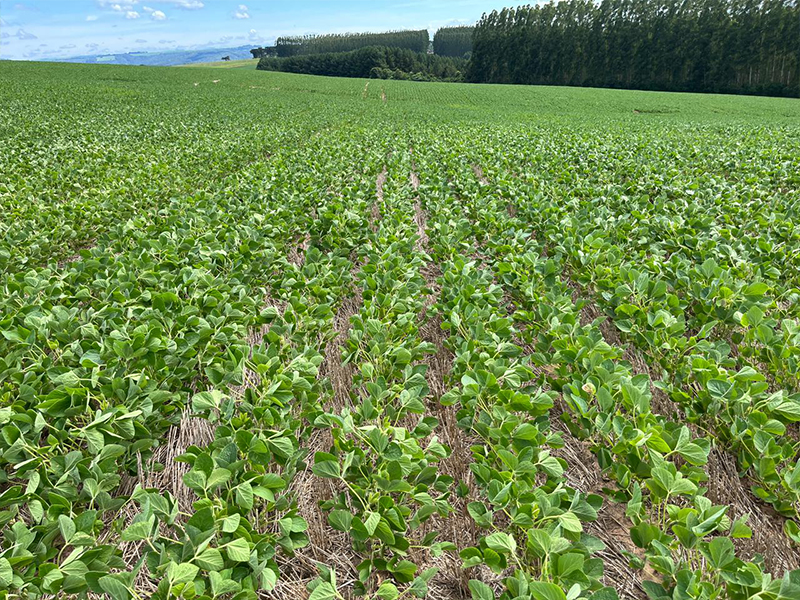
274, 336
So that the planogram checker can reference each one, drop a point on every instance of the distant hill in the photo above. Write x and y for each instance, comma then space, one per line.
164, 59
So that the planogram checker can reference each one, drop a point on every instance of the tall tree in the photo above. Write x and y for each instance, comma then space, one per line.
738, 46
415, 40
453, 41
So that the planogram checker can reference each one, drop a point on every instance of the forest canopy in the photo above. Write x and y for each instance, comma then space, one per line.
722, 46
453, 41
416, 40
729, 46
373, 62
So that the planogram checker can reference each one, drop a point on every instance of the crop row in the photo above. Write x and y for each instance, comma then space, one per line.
637, 447
217, 332
718, 318
101, 360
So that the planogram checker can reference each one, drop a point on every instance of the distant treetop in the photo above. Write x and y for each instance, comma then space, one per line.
731, 46
453, 41
415, 40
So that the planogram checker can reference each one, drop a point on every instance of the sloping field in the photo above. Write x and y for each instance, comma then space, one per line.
277, 336
246, 63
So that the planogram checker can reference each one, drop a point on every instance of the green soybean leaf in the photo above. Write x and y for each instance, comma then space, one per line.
66, 526
387, 591
114, 588
210, 560
6, 572
502, 543
341, 519
542, 590
217, 478
238, 550
327, 468
570, 522
138, 531
231, 523
323, 591
371, 522
181, 573
480, 591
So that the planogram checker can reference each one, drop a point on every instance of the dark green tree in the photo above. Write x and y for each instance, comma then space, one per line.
372, 61
415, 40
453, 41
729, 46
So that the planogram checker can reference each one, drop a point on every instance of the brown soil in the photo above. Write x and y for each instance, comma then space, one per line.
451, 581
612, 526
420, 218
478, 170
250, 378
191, 431
297, 254
76, 256
725, 486
340, 376
326, 545
375, 213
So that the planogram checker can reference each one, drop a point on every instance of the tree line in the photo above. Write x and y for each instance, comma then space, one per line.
729, 46
453, 41
371, 62
265, 51
414, 40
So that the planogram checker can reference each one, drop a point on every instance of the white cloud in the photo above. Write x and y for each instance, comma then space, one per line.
185, 4
123, 7
117, 5
131, 14
141, 41
4, 35
24, 35
127, 5
91, 18
156, 15
241, 15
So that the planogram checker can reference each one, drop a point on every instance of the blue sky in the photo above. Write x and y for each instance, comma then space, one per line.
41, 29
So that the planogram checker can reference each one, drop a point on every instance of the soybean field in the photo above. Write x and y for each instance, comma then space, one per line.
277, 336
